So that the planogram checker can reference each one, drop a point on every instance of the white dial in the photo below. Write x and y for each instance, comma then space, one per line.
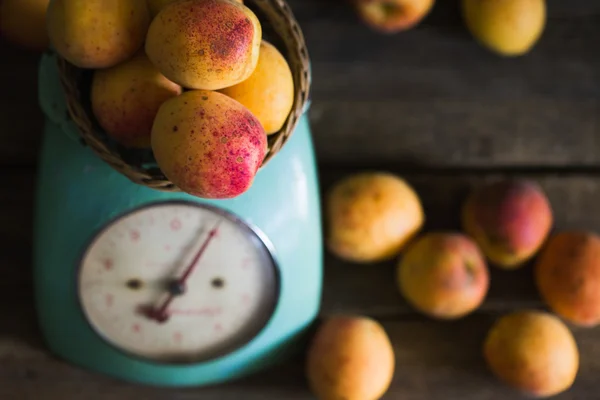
178, 282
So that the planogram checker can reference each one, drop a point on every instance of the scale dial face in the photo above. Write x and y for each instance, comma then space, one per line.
178, 283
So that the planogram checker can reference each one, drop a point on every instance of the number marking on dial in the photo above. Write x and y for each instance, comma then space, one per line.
108, 264
175, 224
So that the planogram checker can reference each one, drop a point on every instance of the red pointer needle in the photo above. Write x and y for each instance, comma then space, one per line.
177, 287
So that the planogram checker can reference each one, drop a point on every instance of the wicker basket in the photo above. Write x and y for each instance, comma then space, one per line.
279, 27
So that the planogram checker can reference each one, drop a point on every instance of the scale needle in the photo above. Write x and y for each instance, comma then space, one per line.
177, 287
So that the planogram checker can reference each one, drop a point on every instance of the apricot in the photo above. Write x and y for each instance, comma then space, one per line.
205, 44
23, 22
125, 99
567, 274
509, 219
350, 358
97, 33
533, 352
156, 5
443, 275
269, 92
390, 16
508, 27
208, 144
371, 216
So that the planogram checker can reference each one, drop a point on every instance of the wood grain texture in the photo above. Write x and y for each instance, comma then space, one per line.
434, 96
16, 229
458, 132
434, 360
21, 119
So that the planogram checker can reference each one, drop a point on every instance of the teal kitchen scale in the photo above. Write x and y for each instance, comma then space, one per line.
168, 289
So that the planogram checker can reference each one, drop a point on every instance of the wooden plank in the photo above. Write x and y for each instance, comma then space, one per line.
458, 132
434, 360
16, 219
433, 96
20, 115
439, 59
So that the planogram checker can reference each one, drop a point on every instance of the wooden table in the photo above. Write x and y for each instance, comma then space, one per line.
429, 104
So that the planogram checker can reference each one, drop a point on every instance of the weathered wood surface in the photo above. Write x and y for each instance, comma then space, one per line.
430, 105
435, 360
433, 96
20, 116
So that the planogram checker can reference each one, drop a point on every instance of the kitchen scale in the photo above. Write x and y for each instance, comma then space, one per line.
168, 289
